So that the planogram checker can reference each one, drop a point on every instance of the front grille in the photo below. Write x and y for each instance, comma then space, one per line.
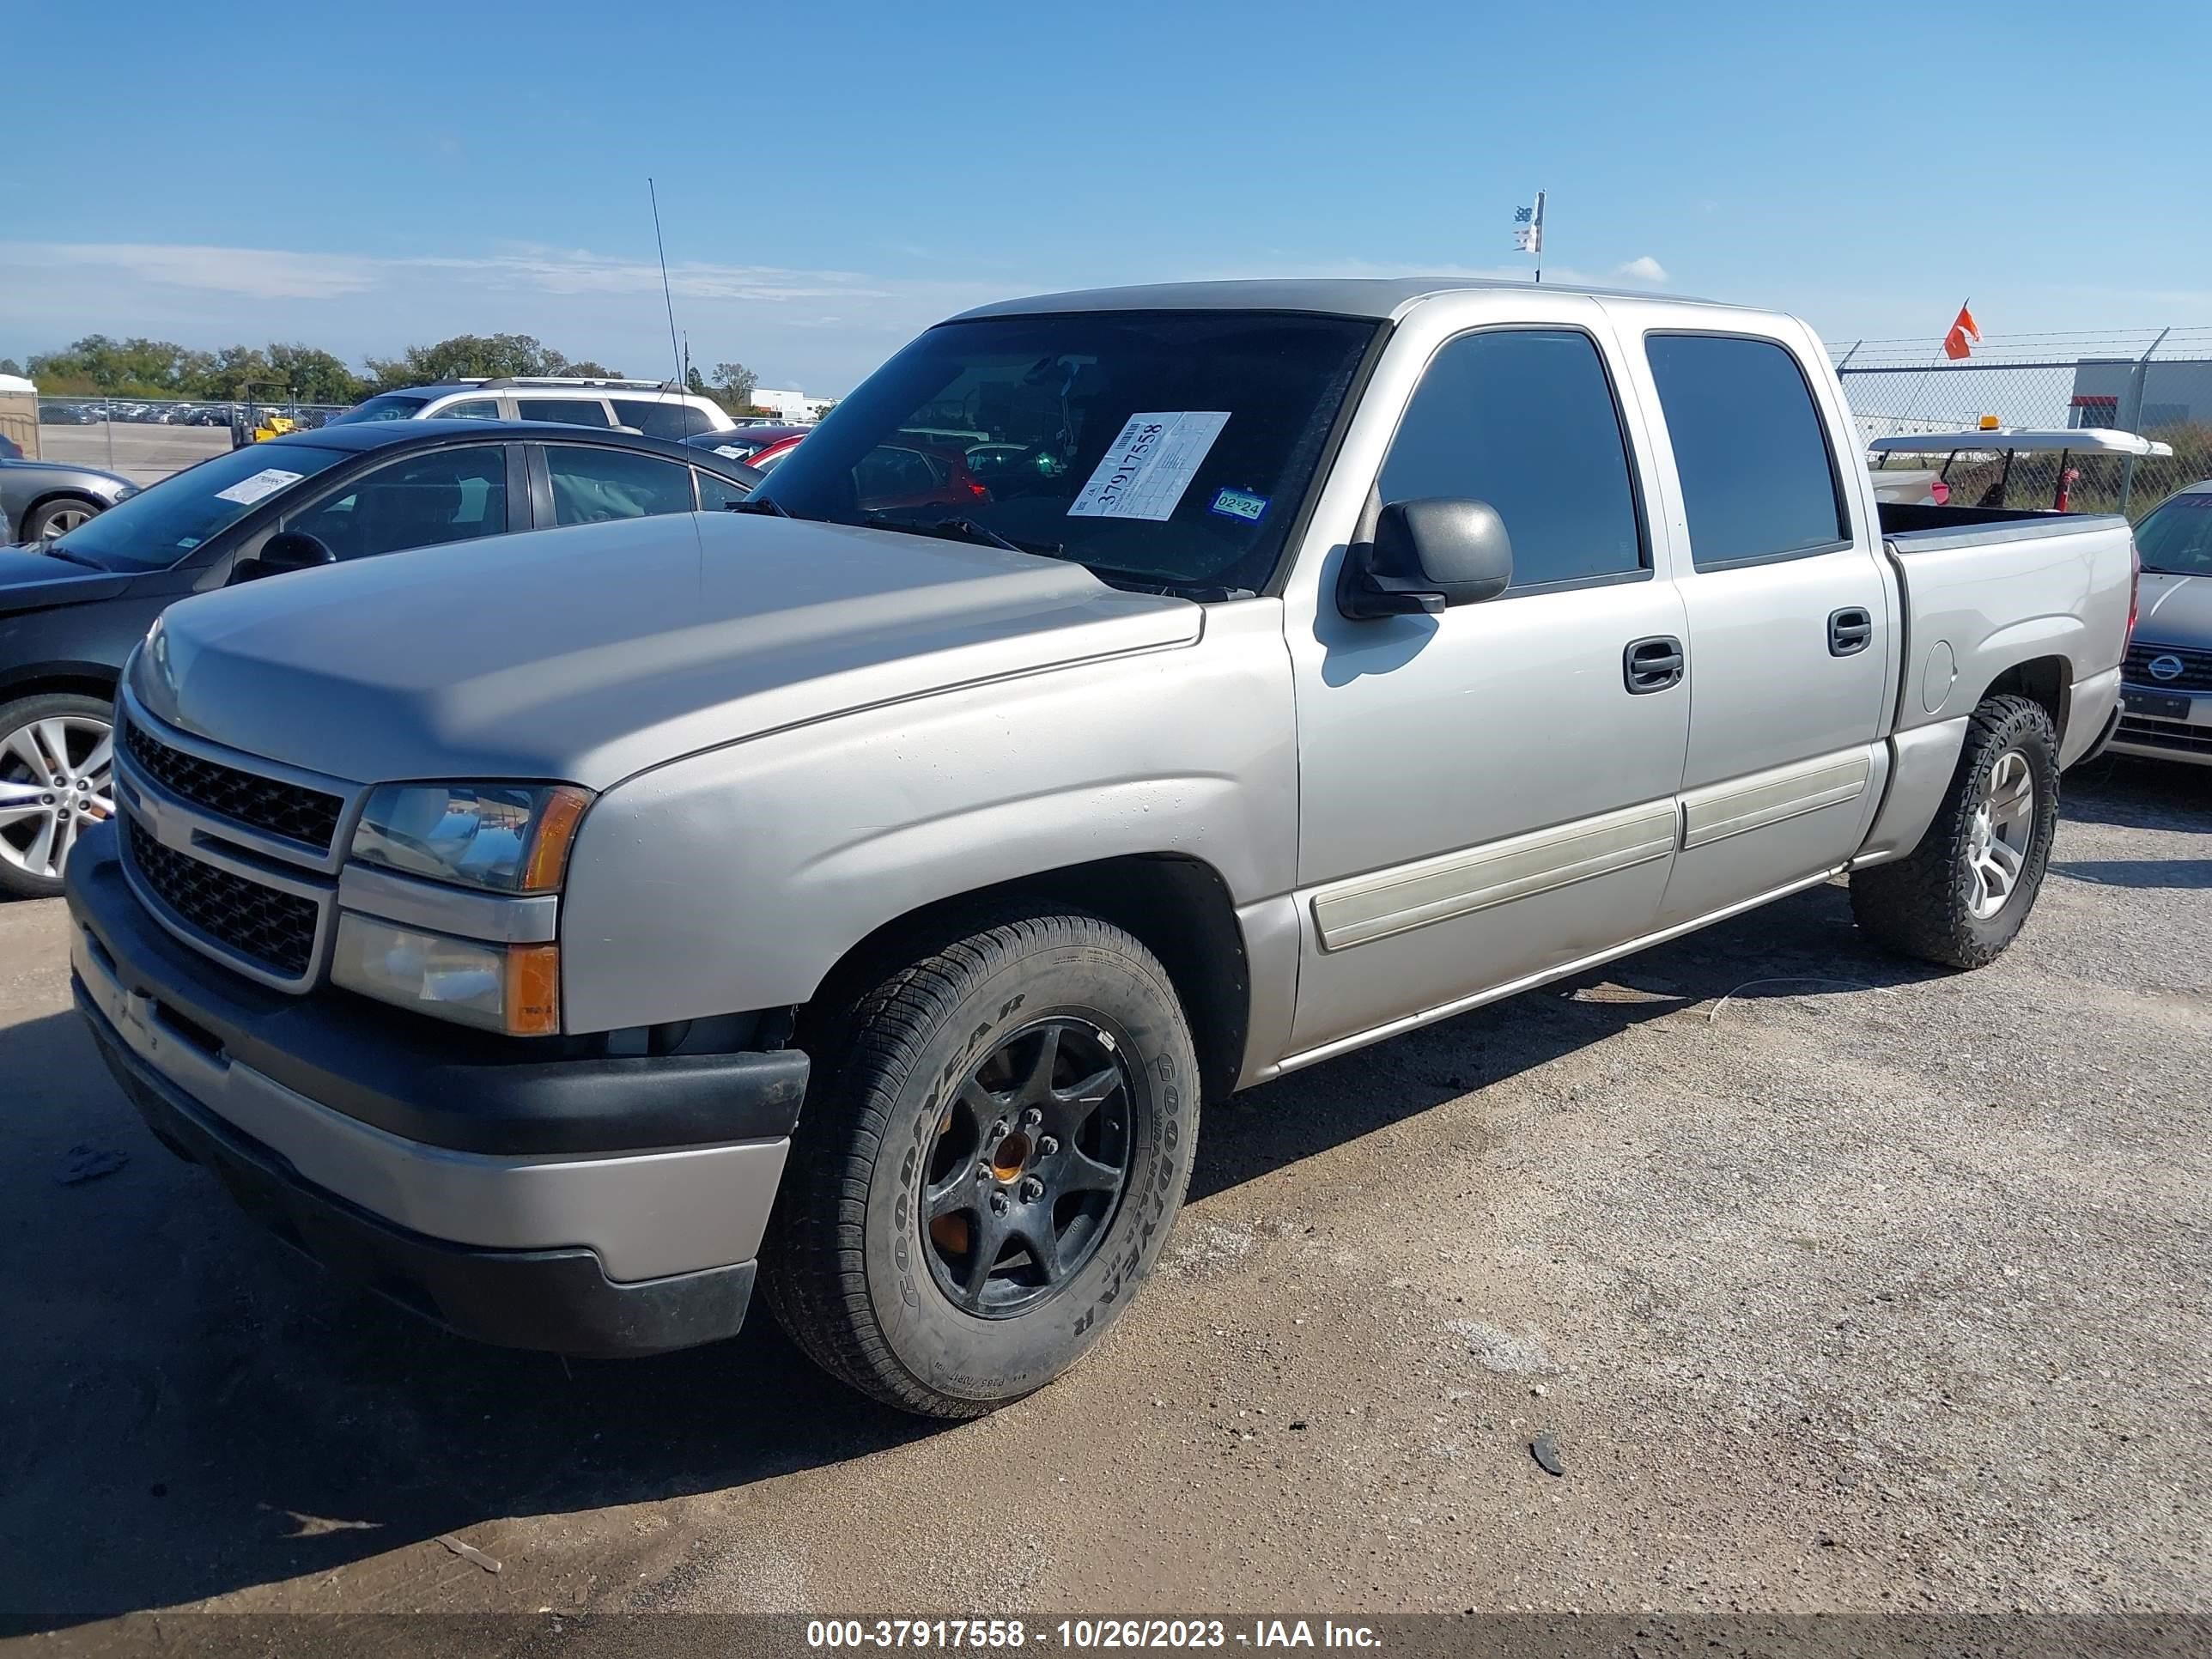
307, 816
273, 928
2196, 667
2166, 734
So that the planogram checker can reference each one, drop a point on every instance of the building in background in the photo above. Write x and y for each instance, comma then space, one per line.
795, 407
2174, 393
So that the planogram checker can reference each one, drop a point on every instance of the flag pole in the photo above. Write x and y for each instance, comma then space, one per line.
1539, 236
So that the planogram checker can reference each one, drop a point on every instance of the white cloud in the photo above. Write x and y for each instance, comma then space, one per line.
249, 273
1643, 269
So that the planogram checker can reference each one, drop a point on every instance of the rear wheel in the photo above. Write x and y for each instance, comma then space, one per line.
56, 780
999, 1140
1961, 896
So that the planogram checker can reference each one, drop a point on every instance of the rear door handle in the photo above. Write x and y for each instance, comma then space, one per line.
1652, 664
1850, 631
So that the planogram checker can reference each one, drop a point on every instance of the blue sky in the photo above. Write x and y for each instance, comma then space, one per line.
834, 177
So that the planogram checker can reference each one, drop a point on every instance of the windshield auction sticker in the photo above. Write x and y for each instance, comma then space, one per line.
267, 482
1148, 467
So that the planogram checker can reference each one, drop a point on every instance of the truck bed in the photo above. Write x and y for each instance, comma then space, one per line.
1985, 589
1913, 526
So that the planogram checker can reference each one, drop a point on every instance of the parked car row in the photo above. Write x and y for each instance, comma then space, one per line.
71, 611
53, 412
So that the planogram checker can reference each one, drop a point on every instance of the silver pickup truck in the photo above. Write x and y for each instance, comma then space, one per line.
1120, 699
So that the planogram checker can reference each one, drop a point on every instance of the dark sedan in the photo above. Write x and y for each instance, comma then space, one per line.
71, 612
42, 500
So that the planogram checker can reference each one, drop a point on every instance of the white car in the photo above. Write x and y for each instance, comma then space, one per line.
658, 409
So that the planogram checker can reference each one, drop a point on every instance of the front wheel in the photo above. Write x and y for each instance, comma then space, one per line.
999, 1138
1961, 894
57, 769
51, 521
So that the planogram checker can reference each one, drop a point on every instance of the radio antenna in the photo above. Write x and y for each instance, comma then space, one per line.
675, 354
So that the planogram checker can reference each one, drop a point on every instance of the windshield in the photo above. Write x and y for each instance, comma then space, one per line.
2177, 537
1158, 449
156, 527
390, 406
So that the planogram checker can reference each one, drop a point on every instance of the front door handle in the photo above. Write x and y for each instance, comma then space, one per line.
1653, 664
1850, 630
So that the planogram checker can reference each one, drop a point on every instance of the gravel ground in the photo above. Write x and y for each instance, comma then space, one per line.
1839, 1282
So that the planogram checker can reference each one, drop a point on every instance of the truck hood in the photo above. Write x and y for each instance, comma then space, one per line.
2175, 610
591, 653
31, 581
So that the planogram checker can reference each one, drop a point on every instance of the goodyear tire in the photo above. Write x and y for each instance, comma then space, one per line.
1961, 896
1000, 1134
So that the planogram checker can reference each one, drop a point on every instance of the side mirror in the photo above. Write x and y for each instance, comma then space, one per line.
1427, 555
288, 549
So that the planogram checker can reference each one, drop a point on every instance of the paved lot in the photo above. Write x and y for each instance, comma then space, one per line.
144, 454
1878, 1289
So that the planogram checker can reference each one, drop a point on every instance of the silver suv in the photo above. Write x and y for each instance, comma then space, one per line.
659, 409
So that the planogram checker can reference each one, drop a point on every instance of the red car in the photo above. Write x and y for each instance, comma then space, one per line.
745, 443
895, 475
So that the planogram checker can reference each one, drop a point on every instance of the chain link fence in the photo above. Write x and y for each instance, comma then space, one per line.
2154, 382
147, 439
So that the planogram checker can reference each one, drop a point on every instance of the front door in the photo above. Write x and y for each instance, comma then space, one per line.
1489, 793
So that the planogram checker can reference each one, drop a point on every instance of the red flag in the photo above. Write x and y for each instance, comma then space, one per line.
1954, 343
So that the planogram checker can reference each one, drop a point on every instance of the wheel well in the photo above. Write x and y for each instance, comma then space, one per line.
53, 496
2046, 680
1179, 907
82, 685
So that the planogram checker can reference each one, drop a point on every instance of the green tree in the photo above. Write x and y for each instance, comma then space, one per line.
468, 356
9, 366
98, 363
235, 371
314, 376
736, 383
695, 381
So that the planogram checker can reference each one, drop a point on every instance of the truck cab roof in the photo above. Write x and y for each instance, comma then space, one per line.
1382, 298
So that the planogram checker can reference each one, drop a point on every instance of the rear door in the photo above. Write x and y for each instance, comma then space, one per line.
1788, 612
594, 484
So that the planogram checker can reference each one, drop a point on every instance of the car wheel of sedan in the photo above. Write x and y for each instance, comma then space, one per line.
56, 780
54, 518
997, 1142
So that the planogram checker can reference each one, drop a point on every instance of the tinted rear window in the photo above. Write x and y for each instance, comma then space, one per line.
569, 411
1758, 481
390, 406
655, 419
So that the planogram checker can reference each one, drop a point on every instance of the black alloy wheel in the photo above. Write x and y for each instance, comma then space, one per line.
1029, 1162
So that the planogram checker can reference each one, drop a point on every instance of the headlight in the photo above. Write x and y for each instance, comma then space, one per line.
515, 989
508, 838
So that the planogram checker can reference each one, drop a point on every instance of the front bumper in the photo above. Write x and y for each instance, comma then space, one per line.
587, 1205
2181, 730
